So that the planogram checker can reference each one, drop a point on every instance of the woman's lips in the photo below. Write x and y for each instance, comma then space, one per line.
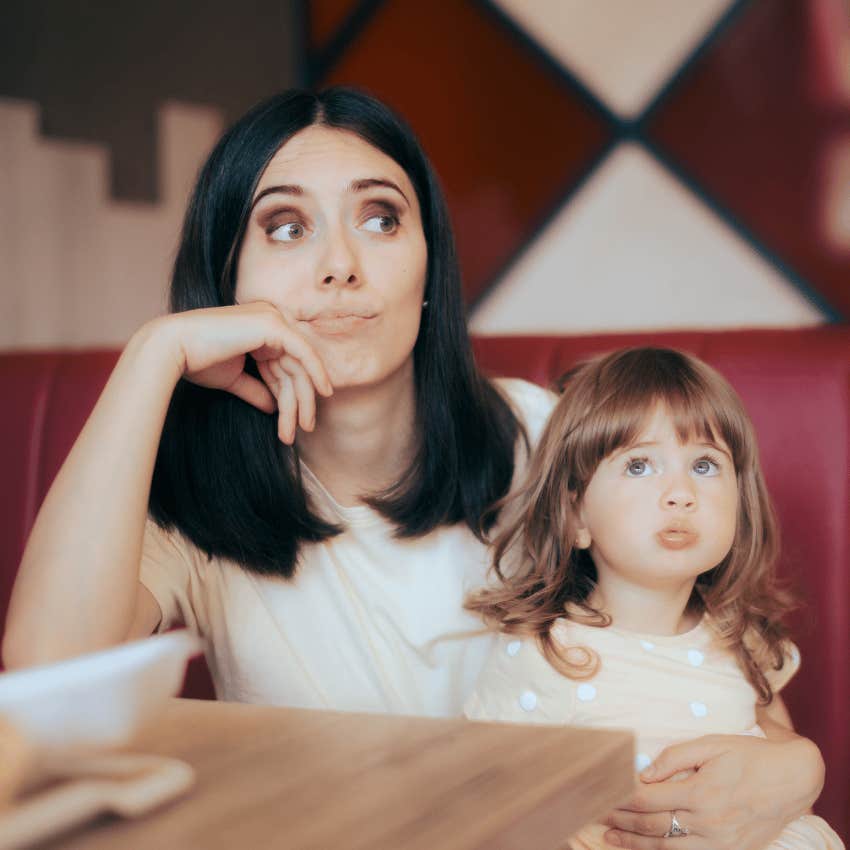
677, 538
335, 324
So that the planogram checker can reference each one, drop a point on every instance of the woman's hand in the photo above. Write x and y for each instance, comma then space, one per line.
212, 345
744, 790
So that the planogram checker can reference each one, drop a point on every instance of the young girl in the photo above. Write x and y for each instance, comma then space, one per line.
644, 592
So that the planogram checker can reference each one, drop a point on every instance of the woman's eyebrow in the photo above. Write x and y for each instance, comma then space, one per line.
371, 182
286, 189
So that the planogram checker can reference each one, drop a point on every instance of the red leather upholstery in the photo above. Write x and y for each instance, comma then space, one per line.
796, 385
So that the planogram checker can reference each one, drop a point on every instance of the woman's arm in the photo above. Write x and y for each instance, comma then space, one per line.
744, 791
77, 588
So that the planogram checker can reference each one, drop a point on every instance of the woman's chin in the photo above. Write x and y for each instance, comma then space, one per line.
350, 372
353, 372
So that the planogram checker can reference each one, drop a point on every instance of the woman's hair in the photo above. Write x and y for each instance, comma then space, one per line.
222, 477
604, 406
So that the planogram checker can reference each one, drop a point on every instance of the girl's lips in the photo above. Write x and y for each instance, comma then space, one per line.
677, 538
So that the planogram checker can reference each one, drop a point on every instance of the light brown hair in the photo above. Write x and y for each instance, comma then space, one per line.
605, 404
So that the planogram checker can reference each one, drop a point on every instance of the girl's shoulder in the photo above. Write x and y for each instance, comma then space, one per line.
518, 685
778, 672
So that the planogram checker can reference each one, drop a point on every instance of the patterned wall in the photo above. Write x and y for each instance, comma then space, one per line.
620, 165
608, 164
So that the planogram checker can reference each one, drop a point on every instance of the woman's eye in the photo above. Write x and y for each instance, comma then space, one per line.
706, 466
289, 232
381, 224
638, 468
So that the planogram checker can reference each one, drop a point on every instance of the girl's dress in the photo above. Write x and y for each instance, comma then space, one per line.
667, 688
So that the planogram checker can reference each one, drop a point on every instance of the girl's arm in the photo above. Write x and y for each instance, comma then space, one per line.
78, 587
744, 792
775, 720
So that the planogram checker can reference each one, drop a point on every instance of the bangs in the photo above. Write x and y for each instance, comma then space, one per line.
627, 389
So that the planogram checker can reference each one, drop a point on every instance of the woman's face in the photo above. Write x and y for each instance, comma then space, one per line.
335, 242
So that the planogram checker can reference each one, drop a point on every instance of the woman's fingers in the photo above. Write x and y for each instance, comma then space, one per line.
255, 392
633, 841
647, 829
305, 391
644, 823
295, 394
685, 756
212, 344
659, 797
286, 340
287, 405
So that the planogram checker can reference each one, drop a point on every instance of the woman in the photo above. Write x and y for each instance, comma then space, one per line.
322, 478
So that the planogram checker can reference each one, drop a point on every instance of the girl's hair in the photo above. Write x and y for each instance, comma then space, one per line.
222, 477
605, 405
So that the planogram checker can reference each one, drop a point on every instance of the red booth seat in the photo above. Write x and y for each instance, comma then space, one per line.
795, 384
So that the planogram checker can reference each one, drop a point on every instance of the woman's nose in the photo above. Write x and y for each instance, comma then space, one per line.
339, 264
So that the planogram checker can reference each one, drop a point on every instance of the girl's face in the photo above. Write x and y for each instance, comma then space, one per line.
335, 242
660, 512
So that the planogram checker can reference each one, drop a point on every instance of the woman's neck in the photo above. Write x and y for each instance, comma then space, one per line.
365, 437
649, 610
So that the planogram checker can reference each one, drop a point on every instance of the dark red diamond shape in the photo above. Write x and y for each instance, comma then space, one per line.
755, 124
507, 134
325, 19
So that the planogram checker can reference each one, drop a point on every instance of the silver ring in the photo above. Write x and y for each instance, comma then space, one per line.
676, 829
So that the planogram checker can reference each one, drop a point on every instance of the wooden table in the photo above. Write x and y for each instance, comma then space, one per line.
313, 780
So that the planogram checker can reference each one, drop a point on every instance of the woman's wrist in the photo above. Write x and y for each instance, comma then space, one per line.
156, 345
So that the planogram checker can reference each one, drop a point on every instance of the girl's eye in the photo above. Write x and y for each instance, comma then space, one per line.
289, 232
381, 223
638, 467
705, 466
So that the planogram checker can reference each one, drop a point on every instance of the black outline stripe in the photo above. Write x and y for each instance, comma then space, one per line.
548, 215
320, 62
689, 182
616, 127
714, 34
550, 64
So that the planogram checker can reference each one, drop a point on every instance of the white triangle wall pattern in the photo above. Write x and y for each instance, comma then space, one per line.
623, 50
635, 249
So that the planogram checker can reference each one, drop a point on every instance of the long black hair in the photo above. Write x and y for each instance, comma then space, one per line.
222, 477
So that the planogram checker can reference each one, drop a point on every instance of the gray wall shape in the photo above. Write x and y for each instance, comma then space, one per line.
99, 69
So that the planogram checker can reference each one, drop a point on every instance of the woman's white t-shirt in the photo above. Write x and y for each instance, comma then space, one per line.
368, 623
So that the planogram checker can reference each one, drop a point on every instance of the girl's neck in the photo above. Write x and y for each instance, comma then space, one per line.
365, 437
647, 610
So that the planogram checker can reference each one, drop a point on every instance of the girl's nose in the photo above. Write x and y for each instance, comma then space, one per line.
680, 495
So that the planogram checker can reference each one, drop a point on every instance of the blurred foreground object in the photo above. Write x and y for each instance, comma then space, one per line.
60, 724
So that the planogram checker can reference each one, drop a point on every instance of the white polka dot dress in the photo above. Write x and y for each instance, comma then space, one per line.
668, 688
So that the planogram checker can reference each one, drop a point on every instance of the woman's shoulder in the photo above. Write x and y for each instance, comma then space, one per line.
531, 403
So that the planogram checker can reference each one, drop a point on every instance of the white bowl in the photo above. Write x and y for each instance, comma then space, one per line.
98, 700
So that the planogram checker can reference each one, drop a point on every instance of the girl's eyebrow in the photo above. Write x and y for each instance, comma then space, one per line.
709, 444
716, 447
